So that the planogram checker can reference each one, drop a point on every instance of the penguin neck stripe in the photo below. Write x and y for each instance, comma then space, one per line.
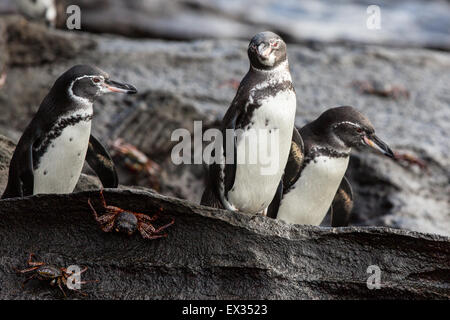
313, 153
273, 78
259, 94
346, 122
54, 133
74, 96
325, 151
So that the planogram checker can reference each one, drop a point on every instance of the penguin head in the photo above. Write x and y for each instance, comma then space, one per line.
266, 50
126, 222
349, 128
84, 83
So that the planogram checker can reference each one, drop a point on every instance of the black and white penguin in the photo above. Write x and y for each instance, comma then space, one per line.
314, 179
261, 119
39, 10
51, 152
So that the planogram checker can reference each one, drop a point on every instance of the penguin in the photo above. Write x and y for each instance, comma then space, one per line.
39, 10
50, 154
261, 119
314, 180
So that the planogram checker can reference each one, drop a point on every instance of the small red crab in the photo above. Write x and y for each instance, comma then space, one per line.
127, 221
136, 161
54, 275
409, 159
378, 88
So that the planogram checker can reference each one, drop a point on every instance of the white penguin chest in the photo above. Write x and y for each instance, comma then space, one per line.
262, 152
60, 166
313, 193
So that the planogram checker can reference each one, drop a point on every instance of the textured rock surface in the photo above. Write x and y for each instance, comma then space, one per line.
34, 44
211, 254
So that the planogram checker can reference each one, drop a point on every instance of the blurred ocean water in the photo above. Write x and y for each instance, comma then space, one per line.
418, 23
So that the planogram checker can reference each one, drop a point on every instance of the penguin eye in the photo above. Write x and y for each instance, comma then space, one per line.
275, 45
96, 80
359, 130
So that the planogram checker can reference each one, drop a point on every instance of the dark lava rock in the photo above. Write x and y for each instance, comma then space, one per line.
34, 44
213, 254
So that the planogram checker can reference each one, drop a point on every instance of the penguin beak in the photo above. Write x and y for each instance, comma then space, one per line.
377, 144
264, 50
114, 86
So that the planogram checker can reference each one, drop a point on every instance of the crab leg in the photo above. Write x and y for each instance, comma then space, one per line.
165, 226
60, 287
27, 270
148, 231
150, 235
32, 263
102, 197
145, 217
32, 277
105, 221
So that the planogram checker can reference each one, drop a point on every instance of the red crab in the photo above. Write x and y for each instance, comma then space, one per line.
53, 275
128, 222
136, 161
381, 89
409, 159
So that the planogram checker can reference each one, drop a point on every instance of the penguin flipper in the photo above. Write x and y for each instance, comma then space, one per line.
21, 177
212, 192
230, 168
27, 175
272, 210
101, 162
210, 199
295, 161
342, 205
